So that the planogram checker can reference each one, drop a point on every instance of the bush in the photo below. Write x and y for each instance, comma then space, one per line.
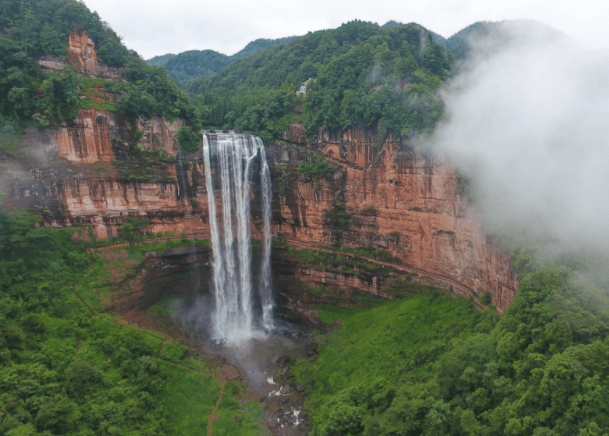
133, 228
174, 351
188, 140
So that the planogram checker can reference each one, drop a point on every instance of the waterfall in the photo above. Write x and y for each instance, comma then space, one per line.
233, 157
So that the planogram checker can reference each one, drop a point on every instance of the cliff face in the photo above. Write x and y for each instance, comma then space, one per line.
404, 202
386, 196
73, 180
100, 136
82, 56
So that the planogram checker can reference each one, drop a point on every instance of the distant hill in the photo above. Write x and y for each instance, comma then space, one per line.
390, 24
160, 61
434, 36
491, 36
260, 44
195, 63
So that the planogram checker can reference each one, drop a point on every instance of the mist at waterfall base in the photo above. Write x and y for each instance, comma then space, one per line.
241, 304
527, 124
237, 318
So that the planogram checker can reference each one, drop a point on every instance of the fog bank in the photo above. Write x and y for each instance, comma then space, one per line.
528, 125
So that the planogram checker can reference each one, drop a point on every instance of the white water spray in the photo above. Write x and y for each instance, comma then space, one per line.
232, 156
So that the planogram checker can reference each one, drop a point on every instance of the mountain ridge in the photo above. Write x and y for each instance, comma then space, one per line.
194, 63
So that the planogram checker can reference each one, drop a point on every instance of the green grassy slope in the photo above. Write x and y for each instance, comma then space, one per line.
433, 365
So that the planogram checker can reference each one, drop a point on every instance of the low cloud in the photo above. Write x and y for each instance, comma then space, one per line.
527, 122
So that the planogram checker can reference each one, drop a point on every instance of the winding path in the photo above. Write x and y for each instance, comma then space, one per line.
213, 415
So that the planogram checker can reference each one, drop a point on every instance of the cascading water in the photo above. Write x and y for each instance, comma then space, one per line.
233, 158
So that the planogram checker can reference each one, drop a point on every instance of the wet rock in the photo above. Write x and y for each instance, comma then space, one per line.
275, 358
300, 388
282, 361
311, 348
285, 389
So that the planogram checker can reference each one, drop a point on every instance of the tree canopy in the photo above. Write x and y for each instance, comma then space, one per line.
365, 76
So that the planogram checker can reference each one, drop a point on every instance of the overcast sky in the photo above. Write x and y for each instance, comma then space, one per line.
156, 27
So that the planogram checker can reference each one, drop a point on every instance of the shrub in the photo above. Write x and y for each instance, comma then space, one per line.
188, 140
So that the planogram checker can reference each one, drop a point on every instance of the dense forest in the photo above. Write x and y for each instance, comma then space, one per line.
365, 76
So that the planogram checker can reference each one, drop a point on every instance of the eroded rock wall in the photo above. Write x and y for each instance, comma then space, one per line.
101, 136
404, 202
389, 197
82, 56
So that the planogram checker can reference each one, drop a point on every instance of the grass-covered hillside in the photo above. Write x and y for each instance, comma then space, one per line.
71, 366
365, 76
433, 365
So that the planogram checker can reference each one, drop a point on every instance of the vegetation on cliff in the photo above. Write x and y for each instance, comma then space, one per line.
365, 76
434, 365
32, 30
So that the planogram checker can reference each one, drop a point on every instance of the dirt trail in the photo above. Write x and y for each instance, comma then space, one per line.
163, 347
213, 415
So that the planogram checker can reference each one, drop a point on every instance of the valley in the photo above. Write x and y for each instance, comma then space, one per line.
275, 245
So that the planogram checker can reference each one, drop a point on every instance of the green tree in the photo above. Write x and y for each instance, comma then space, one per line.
188, 140
59, 100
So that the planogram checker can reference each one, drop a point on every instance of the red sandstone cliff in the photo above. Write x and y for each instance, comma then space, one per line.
97, 136
404, 202
82, 56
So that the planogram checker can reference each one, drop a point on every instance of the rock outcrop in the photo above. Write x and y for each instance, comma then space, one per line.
82, 56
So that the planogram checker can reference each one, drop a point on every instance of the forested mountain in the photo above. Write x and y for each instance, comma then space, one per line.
194, 63
422, 364
364, 76
160, 61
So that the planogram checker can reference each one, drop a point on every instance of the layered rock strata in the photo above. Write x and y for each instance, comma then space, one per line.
386, 195
405, 202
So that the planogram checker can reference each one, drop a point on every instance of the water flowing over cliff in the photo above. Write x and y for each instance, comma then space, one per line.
232, 158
